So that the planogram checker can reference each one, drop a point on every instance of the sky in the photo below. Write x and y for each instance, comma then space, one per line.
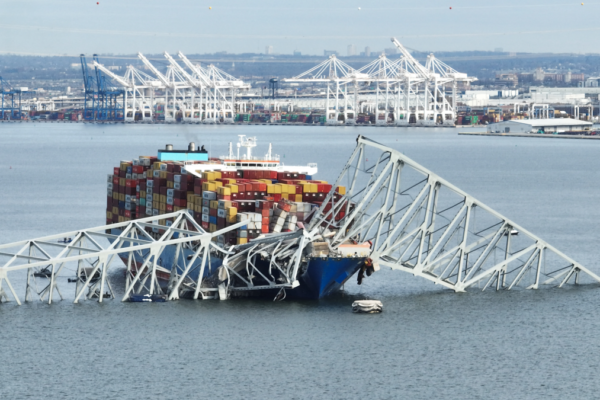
71, 27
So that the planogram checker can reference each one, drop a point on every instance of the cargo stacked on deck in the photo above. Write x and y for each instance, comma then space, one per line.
268, 200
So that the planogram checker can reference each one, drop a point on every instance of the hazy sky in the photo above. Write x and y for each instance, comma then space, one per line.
126, 26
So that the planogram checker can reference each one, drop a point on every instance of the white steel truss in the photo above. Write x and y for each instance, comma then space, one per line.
420, 223
414, 220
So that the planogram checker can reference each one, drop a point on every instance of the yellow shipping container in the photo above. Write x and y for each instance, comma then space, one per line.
197, 208
232, 211
162, 206
209, 186
233, 188
108, 215
122, 196
170, 184
162, 222
120, 219
342, 189
209, 175
198, 200
307, 188
284, 188
242, 240
115, 210
285, 196
219, 184
273, 189
224, 191
163, 174
299, 198
214, 204
212, 228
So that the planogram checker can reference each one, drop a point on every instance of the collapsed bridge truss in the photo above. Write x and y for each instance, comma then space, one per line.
415, 221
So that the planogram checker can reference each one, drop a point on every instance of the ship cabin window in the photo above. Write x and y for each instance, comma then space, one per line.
252, 165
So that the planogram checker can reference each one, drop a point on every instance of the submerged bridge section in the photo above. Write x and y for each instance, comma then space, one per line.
414, 220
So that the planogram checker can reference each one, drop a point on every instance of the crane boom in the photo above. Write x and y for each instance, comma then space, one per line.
112, 75
182, 71
422, 71
192, 67
156, 72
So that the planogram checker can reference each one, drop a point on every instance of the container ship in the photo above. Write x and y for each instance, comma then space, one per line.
274, 199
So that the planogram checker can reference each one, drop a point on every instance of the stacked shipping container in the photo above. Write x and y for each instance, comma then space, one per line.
268, 200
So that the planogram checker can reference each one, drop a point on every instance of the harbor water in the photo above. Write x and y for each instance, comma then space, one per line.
428, 343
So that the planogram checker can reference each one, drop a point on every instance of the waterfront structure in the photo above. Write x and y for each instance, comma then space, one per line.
414, 221
542, 125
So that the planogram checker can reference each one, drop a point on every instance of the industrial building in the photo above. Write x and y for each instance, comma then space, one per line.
545, 125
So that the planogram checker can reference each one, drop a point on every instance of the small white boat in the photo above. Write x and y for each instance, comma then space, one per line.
367, 306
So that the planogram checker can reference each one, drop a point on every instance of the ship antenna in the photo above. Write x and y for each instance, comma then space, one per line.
230, 150
269, 153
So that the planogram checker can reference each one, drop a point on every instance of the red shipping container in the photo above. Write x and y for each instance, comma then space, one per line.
250, 196
212, 212
276, 197
264, 229
127, 214
137, 169
223, 197
205, 225
169, 208
116, 171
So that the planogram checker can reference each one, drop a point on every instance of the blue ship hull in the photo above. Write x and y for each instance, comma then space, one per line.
323, 275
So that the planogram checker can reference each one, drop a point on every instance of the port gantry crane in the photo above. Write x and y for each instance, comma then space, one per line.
175, 89
337, 75
413, 220
198, 86
138, 103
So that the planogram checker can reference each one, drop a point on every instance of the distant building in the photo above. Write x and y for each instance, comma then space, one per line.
351, 50
328, 53
297, 53
367, 51
507, 79
498, 50
269, 50
391, 50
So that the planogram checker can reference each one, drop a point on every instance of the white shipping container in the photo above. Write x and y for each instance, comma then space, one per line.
205, 210
127, 176
170, 200
109, 192
149, 183
149, 191
109, 185
177, 185
110, 178
177, 178
205, 218
209, 195
170, 192
163, 167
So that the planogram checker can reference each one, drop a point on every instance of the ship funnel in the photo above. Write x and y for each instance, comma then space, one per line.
169, 147
192, 146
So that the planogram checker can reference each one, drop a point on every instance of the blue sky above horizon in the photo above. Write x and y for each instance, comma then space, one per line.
128, 26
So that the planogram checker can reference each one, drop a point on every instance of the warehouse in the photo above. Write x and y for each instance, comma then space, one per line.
546, 125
